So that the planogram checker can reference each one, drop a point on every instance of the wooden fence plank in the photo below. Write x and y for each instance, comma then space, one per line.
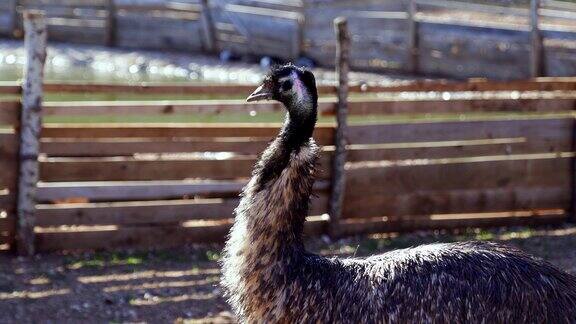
139, 190
130, 169
457, 201
164, 88
159, 107
135, 237
552, 129
461, 5
117, 169
9, 112
375, 107
127, 169
7, 225
145, 237
144, 190
160, 130
479, 84
173, 88
8, 144
538, 170
130, 146
9, 175
561, 102
323, 134
140, 212
7, 200
454, 149
520, 218
476, 84
67, 3
10, 88
148, 212
563, 5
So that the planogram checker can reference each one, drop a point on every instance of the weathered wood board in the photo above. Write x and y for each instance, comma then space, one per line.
424, 168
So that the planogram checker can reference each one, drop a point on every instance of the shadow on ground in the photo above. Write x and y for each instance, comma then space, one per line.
181, 285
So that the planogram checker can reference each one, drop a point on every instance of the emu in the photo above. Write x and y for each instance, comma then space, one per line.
269, 277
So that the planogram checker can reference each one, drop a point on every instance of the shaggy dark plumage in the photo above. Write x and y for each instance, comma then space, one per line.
270, 278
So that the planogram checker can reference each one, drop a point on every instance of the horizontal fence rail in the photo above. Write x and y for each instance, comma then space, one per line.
475, 84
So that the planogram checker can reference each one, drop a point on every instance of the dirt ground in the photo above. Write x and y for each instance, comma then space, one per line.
181, 285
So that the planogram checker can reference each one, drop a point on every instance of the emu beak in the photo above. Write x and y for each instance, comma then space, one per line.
261, 93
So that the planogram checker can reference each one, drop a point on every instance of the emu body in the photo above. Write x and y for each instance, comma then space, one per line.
270, 277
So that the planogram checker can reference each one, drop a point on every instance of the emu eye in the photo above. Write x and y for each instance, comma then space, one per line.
286, 85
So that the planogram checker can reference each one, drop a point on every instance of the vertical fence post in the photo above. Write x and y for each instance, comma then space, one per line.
298, 38
536, 61
413, 51
110, 23
14, 19
339, 160
30, 125
210, 41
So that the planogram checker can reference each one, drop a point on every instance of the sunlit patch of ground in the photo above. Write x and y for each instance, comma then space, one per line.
181, 285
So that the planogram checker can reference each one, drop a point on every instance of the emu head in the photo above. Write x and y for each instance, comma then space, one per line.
293, 86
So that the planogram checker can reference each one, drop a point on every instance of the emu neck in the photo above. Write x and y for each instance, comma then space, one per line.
265, 243
283, 175
298, 129
275, 203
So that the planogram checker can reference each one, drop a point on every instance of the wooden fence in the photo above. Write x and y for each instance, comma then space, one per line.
9, 145
478, 153
107, 186
432, 37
